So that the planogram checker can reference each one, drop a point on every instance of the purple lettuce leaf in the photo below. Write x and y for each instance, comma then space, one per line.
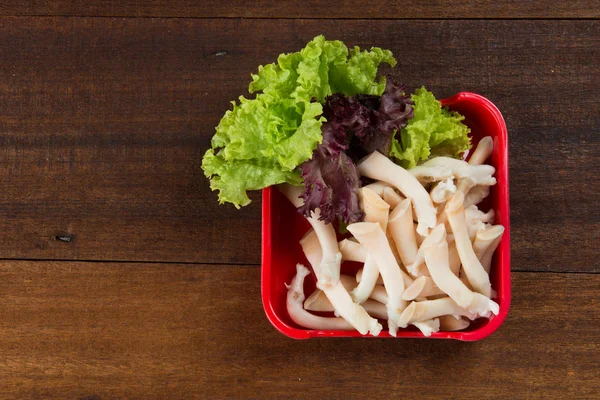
355, 127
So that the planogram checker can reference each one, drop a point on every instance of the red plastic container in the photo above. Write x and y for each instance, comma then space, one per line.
283, 227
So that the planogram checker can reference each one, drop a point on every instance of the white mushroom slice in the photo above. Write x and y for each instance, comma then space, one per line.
423, 286
449, 323
339, 296
402, 231
480, 174
485, 238
370, 274
425, 310
391, 197
475, 272
476, 195
453, 258
430, 174
378, 294
352, 251
373, 239
417, 268
378, 187
486, 259
418, 236
329, 268
359, 277
437, 260
317, 301
473, 213
482, 151
428, 327
378, 166
443, 191
483, 306
311, 248
376, 210
463, 278
295, 297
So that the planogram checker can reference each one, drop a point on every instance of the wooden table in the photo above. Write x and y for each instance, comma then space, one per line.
121, 277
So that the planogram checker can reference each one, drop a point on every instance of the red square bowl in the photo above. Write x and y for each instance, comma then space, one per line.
283, 227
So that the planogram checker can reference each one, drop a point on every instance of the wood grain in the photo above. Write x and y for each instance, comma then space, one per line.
104, 123
146, 331
412, 9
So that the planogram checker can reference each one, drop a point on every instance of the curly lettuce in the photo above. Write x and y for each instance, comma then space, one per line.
433, 131
262, 141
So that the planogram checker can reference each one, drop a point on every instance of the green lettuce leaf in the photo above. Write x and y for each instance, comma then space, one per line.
262, 141
433, 131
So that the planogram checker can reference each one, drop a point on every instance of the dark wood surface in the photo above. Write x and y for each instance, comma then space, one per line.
106, 330
413, 9
123, 278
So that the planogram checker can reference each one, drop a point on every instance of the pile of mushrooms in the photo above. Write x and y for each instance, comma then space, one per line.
425, 246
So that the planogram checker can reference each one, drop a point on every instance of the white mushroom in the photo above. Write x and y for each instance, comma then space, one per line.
475, 272
359, 275
476, 195
402, 231
376, 210
482, 151
352, 251
378, 187
373, 239
378, 166
425, 310
479, 174
430, 174
486, 259
295, 297
485, 238
391, 197
423, 286
428, 327
449, 323
378, 294
318, 301
435, 249
370, 275
443, 191
329, 268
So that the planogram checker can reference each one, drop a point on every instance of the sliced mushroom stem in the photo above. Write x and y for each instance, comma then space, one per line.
391, 197
376, 210
370, 275
437, 260
317, 301
480, 174
377, 166
486, 259
331, 258
476, 195
373, 239
352, 251
450, 323
359, 275
402, 231
378, 187
426, 310
423, 286
428, 327
482, 151
295, 297
478, 277
485, 238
